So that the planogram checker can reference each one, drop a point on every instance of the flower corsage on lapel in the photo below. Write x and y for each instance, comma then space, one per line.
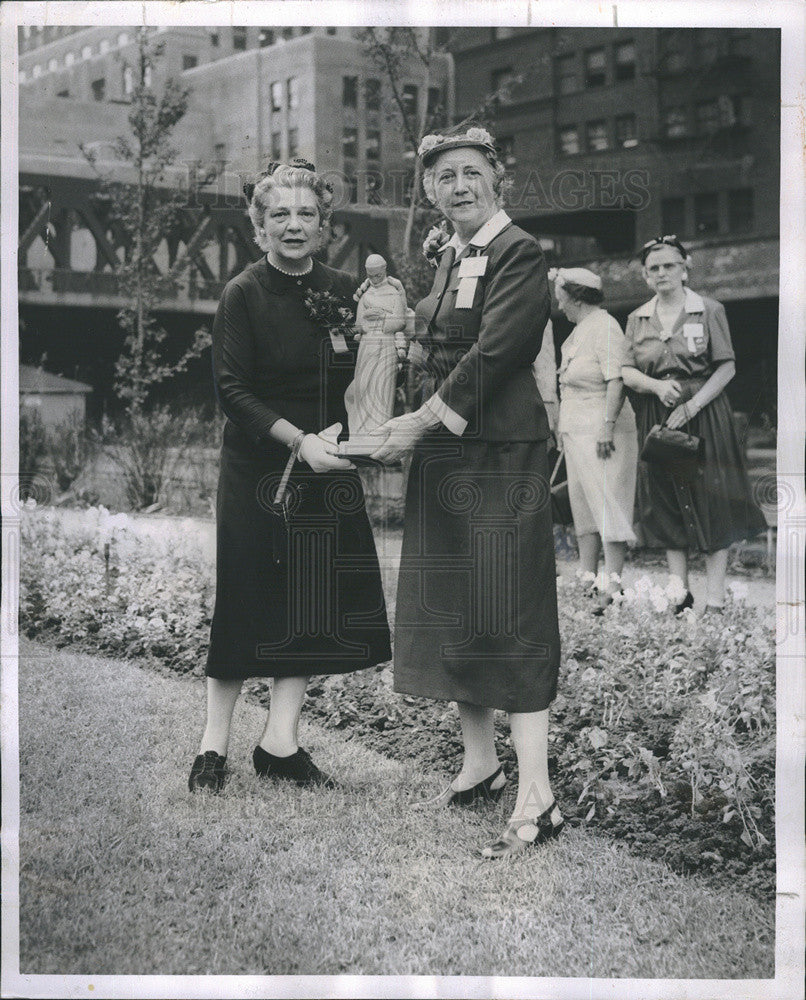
331, 312
435, 242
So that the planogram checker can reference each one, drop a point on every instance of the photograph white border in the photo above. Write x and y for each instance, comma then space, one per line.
790, 17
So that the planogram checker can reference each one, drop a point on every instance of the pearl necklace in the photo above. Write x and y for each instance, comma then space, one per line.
291, 274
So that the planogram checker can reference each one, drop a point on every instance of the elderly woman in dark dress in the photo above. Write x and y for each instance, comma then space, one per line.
679, 359
476, 619
305, 597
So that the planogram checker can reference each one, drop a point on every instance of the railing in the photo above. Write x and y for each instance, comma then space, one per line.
104, 284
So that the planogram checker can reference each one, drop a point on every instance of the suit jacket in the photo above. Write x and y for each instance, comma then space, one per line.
480, 357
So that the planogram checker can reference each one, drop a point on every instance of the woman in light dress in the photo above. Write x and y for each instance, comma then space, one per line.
596, 428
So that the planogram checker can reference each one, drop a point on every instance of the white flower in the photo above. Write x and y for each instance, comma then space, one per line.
675, 589
739, 591
30, 504
479, 135
429, 142
629, 595
643, 585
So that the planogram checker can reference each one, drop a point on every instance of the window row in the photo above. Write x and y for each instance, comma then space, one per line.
595, 67
706, 117
350, 146
409, 96
597, 136
682, 49
291, 141
70, 58
709, 212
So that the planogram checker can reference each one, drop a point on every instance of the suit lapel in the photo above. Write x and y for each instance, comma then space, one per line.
441, 282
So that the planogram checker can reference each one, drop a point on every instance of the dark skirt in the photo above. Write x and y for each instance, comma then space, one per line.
715, 510
298, 600
476, 617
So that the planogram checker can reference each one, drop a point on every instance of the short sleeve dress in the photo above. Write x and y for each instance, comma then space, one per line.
601, 491
303, 598
717, 509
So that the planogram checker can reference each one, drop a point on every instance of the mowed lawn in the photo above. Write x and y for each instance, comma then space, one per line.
124, 872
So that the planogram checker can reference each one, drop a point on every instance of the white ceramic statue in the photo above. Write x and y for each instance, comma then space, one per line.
381, 320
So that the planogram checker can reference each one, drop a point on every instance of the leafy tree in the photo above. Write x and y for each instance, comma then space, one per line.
144, 210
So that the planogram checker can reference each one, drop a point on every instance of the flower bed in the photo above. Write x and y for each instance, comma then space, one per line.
663, 730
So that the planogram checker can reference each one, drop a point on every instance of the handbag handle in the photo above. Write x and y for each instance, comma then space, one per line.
556, 468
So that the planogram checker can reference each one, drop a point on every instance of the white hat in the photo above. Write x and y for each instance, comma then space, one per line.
575, 276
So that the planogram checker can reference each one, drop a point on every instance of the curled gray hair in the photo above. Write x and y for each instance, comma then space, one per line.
288, 177
500, 179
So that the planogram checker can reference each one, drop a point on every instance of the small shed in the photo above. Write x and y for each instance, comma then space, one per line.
53, 397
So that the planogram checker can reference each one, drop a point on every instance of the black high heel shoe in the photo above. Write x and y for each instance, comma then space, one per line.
687, 602
522, 834
209, 772
482, 790
297, 767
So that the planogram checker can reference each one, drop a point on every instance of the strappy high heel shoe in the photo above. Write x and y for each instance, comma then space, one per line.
482, 790
523, 834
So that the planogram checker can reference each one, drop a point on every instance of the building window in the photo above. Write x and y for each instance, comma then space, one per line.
276, 96
372, 94
567, 69
673, 215
128, 80
506, 146
62, 93
69, 59
214, 39
239, 39
596, 133
410, 98
98, 89
675, 125
673, 51
188, 62
53, 65
123, 38
265, 37
293, 142
330, 31
37, 71
626, 131
287, 33
104, 48
276, 146
595, 68
352, 180
292, 89
349, 91
221, 152
442, 37
305, 31
569, 140
349, 143
147, 75
706, 46
625, 61
501, 84
740, 43
707, 116
86, 52
740, 210
706, 213
373, 144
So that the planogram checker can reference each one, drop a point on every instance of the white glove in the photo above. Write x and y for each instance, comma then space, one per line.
321, 451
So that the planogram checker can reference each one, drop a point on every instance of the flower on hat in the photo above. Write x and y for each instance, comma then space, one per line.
479, 135
429, 142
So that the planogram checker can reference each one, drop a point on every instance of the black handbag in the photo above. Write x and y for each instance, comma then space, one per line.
679, 452
560, 502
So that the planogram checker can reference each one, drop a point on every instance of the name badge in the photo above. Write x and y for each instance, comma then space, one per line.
695, 337
472, 267
339, 343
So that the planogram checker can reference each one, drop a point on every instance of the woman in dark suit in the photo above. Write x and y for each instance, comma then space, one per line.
298, 588
476, 619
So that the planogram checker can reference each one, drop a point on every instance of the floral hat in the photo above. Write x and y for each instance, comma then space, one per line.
432, 145
576, 276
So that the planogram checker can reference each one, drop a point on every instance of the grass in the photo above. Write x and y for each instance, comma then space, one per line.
124, 872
